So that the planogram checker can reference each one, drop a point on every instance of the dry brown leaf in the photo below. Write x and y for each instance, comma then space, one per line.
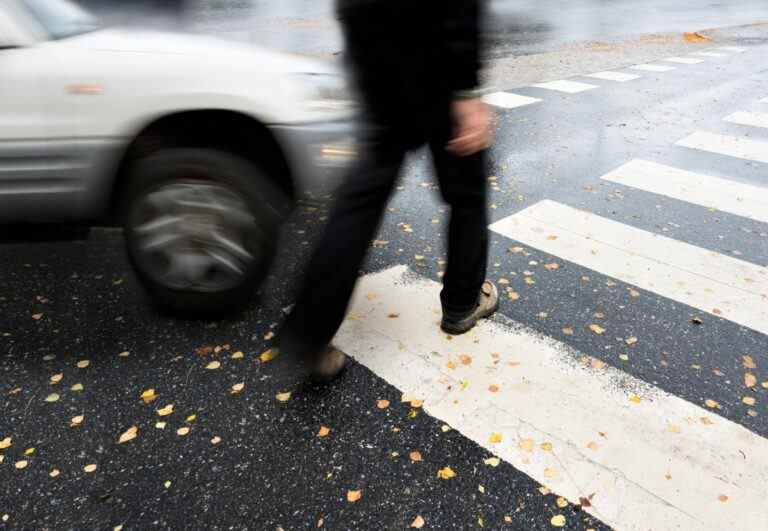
215, 364
634, 293
526, 445
706, 421
465, 359
493, 388
268, 355
324, 431
237, 388
148, 396
283, 397
417, 403
446, 473
354, 495
165, 411
184, 430
695, 37
90, 468
723, 498
56, 378
568, 331
596, 363
495, 438
382, 403
513, 295
451, 365
711, 403
418, 522
129, 435
415, 456
597, 329
552, 266
53, 397
592, 445
82, 364
76, 420
558, 520
750, 380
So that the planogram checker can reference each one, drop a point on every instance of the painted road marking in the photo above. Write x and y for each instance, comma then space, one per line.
736, 49
684, 60
653, 68
764, 100
614, 76
711, 192
508, 100
711, 282
710, 54
732, 146
748, 118
646, 455
570, 87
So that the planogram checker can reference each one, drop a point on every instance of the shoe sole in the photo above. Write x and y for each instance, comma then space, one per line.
457, 329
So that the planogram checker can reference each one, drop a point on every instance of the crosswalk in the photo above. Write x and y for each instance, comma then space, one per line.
651, 459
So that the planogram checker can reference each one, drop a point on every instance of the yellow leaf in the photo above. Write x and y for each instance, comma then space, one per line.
597, 329
418, 523
546, 446
674, 428
596, 363
82, 364
216, 440
711, 403
749, 363
446, 428
283, 397
494, 438
160, 425
29, 451
237, 388
167, 484
129, 435
634, 398
215, 364
558, 521
184, 430
53, 397
561, 502
148, 396
354, 495
238, 355
324, 431
750, 380
415, 456
268, 355
630, 340
412, 414
382, 404
90, 468
464, 384
56, 378
549, 473
21, 464
446, 473
77, 387
764, 385
6, 443
513, 295
526, 445
165, 411
492, 461
191, 418
623, 357
748, 400
451, 365
76, 421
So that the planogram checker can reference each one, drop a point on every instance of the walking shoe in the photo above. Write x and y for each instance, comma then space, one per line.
487, 304
328, 366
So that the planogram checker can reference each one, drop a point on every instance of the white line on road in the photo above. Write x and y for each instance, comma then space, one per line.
651, 459
732, 146
711, 192
711, 282
570, 87
736, 49
710, 54
508, 100
684, 60
621, 77
748, 118
653, 68
764, 100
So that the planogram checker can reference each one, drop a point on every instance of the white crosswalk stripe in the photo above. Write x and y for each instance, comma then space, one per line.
732, 146
705, 190
569, 87
621, 77
711, 54
748, 118
736, 49
508, 100
657, 465
653, 68
764, 100
706, 280
684, 60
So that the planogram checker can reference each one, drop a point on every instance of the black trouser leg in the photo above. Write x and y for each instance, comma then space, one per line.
333, 269
463, 186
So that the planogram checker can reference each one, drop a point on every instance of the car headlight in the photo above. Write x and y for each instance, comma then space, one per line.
324, 92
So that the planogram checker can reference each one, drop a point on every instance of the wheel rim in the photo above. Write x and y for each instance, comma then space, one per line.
195, 236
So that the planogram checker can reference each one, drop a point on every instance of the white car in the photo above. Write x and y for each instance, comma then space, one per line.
195, 146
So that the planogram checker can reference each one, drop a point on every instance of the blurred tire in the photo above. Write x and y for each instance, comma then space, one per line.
201, 229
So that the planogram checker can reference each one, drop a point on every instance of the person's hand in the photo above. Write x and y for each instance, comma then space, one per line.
472, 127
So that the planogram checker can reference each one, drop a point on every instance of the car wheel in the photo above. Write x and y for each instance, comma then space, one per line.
201, 228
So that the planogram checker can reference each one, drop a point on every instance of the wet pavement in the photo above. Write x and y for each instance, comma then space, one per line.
81, 346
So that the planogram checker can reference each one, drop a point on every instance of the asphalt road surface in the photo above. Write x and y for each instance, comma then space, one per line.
624, 383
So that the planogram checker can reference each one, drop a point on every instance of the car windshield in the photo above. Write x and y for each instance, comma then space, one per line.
61, 18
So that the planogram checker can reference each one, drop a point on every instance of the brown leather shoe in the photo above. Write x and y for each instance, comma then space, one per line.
329, 365
487, 304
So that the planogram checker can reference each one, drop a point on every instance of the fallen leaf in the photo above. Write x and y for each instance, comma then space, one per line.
451, 365
165, 411
82, 364
750, 380
129, 435
495, 438
191, 418
508, 519
56, 378
148, 396
749, 363
751, 412
723, 498
37, 316
76, 421
20, 465
568, 331
77, 387
597, 329
124, 354
596, 363
417, 403
546, 446
160, 425
631, 340
544, 490
623, 357
6, 443
237, 388
711, 403
513, 295
493, 388
634, 293
90, 468
673, 428
167, 484
446, 428
748, 400
418, 522
526, 445
695, 37
706, 421
415, 456
549, 472
324, 431
481, 489
53, 397
54, 473
283, 397
354, 495
552, 266
215, 364
204, 351
268, 355
561, 502
393, 315
465, 359
238, 355
446, 473
585, 502
184, 430
492, 461
634, 398
216, 440
764, 385
382, 404
551, 237
29, 451
558, 521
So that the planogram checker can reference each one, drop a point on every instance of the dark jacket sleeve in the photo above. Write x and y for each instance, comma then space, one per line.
462, 38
